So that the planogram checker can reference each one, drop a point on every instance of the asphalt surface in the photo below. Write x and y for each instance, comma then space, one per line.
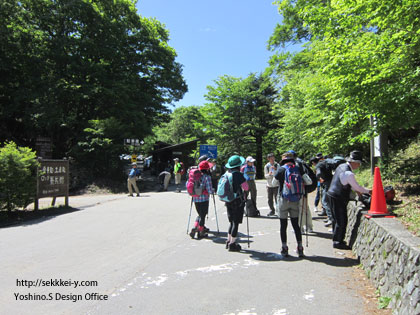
136, 253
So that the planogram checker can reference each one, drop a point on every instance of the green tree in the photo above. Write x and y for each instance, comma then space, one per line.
17, 176
238, 116
361, 59
78, 61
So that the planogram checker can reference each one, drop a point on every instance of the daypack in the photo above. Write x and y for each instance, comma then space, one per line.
293, 188
194, 182
325, 169
225, 188
308, 171
250, 209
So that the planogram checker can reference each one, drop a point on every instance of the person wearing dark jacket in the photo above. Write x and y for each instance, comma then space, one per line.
338, 196
288, 208
235, 208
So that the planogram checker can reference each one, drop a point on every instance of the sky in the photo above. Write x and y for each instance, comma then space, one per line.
214, 38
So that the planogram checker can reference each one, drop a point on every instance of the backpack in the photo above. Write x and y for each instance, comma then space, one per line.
225, 188
250, 209
182, 171
308, 171
194, 187
325, 169
293, 188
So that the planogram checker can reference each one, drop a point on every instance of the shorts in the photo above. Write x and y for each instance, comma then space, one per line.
289, 208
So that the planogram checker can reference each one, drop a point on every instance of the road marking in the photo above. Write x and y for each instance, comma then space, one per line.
147, 282
309, 296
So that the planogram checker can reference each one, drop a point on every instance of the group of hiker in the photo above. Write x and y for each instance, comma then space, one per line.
288, 183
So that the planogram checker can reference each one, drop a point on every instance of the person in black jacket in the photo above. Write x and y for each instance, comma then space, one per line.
288, 208
235, 208
338, 196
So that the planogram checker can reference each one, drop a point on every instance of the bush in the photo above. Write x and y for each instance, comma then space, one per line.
18, 167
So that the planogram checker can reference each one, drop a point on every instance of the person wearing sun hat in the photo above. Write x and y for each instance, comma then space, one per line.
249, 172
235, 208
338, 196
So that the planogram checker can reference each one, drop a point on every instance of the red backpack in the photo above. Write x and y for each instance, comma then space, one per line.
194, 183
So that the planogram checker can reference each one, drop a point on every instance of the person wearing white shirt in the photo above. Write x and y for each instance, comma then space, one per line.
338, 196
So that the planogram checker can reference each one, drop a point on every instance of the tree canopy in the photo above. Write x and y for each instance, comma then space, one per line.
67, 63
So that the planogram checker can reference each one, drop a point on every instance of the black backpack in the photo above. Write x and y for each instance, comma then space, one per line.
325, 169
308, 171
250, 209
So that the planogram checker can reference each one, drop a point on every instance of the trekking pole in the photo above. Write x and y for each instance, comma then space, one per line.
215, 213
189, 218
247, 224
306, 214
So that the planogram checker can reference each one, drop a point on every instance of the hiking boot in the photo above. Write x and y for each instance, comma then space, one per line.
328, 223
299, 250
206, 229
202, 234
271, 213
341, 245
285, 251
130, 195
234, 247
323, 213
193, 231
138, 195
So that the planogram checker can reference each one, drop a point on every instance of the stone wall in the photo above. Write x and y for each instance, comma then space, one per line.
390, 255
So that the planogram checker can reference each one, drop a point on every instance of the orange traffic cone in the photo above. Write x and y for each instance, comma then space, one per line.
378, 204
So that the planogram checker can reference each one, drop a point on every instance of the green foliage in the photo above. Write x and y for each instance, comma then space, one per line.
186, 123
239, 118
17, 176
360, 59
65, 63
384, 302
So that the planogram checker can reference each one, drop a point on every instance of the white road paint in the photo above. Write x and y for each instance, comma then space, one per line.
144, 282
309, 296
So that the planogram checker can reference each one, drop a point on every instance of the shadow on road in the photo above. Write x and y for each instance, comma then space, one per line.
333, 261
26, 218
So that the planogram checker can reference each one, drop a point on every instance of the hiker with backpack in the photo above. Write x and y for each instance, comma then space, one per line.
291, 190
338, 196
324, 174
231, 189
270, 170
249, 172
199, 187
309, 180
178, 171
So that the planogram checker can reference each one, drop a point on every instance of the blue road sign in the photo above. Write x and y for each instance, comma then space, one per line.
209, 150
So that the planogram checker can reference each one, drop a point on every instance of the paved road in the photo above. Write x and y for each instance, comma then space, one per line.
137, 253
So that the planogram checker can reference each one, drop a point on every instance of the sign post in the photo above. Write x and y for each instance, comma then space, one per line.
209, 150
53, 180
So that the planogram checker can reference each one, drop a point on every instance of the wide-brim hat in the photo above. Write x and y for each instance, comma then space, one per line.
176, 159
235, 161
134, 163
355, 156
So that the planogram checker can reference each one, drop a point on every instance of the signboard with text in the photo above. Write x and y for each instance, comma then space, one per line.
53, 178
209, 150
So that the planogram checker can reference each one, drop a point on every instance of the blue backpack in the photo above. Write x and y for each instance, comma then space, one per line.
225, 188
293, 187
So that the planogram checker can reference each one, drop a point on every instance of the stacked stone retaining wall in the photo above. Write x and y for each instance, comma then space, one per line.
390, 256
